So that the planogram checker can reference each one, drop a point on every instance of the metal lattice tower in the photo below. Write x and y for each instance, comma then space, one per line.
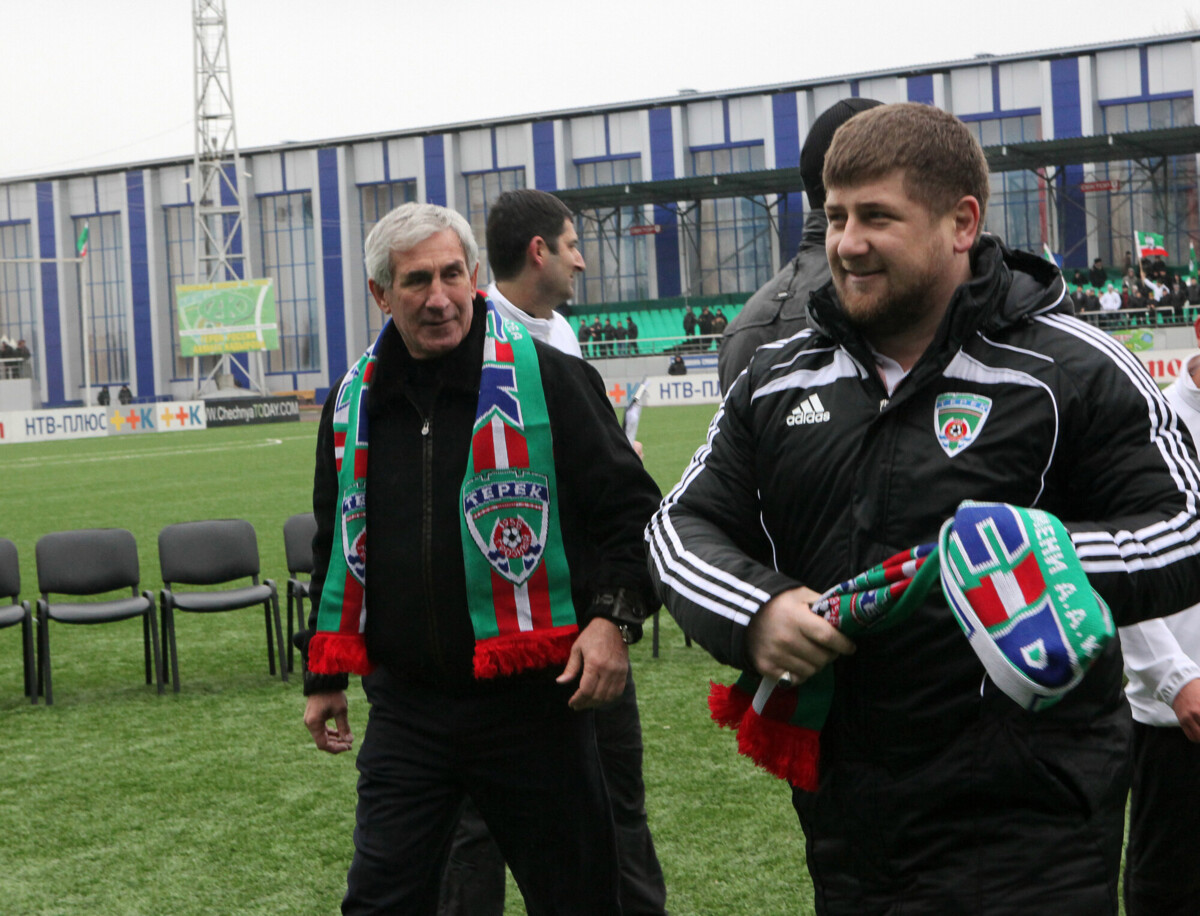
219, 205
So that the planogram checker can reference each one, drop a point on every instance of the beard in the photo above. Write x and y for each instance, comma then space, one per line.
902, 304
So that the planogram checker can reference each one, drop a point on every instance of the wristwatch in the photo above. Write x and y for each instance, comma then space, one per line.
624, 609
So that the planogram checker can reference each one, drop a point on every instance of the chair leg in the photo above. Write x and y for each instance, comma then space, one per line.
291, 602
152, 628
146, 644
44, 658
31, 687
172, 651
270, 637
283, 668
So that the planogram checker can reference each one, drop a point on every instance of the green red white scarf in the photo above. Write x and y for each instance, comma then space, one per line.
1017, 590
518, 582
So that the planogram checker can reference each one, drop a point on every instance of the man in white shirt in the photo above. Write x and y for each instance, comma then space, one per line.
1110, 299
1162, 660
533, 250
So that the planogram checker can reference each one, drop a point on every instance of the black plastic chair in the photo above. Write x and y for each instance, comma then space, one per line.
298, 532
17, 612
214, 553
93, 561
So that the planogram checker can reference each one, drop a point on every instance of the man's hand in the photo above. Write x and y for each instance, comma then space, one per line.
1187, 709
786, 637
637, 447
602, 656
319, 709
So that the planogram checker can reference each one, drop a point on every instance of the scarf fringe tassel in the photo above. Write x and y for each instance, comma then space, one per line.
782, 749
516, 652
727, 704
338, 653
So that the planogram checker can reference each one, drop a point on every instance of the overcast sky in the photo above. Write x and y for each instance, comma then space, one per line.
94, 83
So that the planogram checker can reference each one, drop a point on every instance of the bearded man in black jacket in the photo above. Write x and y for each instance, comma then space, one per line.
935, 793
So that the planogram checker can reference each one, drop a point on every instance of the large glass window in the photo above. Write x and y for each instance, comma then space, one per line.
732, 235
18, 298
180, 232
104, 274
482, 190
377, 200
1154, 195
287, 246
1016, 206
616, 259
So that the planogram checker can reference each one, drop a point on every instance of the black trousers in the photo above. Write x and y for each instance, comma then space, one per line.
1161, 873
527, 761
474, 881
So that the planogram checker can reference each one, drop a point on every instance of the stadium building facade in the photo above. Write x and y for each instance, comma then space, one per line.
311, 204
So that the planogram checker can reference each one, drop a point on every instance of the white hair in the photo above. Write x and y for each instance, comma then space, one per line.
406, 227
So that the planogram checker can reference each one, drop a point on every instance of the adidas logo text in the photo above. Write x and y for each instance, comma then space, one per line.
810, 410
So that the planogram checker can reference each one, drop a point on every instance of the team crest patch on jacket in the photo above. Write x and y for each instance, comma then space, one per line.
958, 419
508, 512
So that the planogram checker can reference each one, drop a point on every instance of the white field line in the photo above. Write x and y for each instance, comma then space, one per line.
39, 462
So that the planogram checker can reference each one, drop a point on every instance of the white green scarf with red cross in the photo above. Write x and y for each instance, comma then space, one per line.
518, 582
1017, 590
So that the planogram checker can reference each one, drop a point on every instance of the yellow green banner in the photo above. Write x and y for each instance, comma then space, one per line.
229, 317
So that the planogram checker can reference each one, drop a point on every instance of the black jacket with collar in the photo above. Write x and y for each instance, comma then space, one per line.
421, 415
812, 472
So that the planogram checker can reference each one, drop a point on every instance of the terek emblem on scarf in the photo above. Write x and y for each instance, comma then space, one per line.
507, 512
354, 532
958, 419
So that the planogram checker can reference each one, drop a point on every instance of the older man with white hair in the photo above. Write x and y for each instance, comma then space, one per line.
475, 571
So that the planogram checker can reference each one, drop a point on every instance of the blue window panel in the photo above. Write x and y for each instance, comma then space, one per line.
920, 89
51, 328
787, 155
662, 166
435, 170
139, 283
544, 177
1068, 122
617, 262
331, 253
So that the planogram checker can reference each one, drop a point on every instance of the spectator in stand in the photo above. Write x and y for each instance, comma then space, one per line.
1193, 290
584, 335
610, 335
631, 333
620, 332
1176, 298
719, 324
1078, 279
104, 398
1159, 269
1098, 276
1110, 300
1079, 299
597, 337
1131, 288
8, 353
689, 322
125, 396
705, 322
677, 366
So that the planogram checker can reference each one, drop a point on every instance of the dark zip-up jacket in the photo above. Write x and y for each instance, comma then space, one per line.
812, 473
421, 414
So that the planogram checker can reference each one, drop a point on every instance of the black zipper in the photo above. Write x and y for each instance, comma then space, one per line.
427, 527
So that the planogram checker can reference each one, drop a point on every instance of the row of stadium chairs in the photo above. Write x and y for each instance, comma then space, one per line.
99, 562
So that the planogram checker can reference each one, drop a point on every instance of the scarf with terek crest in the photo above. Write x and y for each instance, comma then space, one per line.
518, 583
